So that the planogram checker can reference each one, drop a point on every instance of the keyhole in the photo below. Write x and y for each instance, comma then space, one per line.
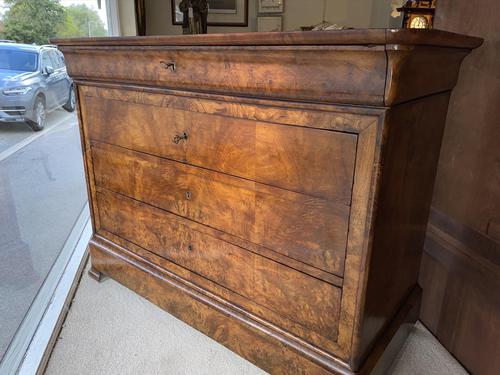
190, 247
188, 195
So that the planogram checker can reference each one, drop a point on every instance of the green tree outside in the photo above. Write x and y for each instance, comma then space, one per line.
36, 21
32, 21
81, 21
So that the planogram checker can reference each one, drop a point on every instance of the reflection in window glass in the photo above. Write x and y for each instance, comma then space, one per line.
42, 192
18, 60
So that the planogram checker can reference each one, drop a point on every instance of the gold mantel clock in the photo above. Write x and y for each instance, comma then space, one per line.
418, 14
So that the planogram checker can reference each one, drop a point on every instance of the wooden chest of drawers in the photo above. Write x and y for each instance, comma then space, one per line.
271, 190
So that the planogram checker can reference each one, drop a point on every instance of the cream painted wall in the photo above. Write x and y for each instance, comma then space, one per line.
126, 11
381, 15
349, 13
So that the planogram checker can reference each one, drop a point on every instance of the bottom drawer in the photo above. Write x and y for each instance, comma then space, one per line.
302, 299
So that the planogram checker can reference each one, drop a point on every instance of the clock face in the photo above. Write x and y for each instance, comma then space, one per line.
419, 22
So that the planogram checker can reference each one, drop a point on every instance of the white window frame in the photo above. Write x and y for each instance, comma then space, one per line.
29, 349
113, 14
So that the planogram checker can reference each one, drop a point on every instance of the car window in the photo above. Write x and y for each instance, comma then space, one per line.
46, 61
56, 61
61, 58
18, 60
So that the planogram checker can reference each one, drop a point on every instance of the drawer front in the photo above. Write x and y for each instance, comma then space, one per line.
302, 299
311, 161
341, 74
308, 229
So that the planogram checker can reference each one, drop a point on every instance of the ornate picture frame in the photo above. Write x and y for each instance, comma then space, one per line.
236, 16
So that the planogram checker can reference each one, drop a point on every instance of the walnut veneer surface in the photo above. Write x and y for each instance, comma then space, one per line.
271, 190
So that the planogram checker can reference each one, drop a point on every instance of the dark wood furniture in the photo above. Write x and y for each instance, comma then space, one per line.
271, 190
460, 276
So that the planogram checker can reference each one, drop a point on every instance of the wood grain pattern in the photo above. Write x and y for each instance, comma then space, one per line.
244, 334
259, 279
417, 71
338, 37
87, 159
460, 274
341, 118
305, 228
267, 317
349, 74
414, 133
288, 157
359, 239
288, 230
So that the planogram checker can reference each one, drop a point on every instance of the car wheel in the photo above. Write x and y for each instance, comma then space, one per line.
71, 103
40, 115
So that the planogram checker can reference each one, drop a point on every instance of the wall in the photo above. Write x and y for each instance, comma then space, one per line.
468, 181
460, 278
460, 271
381, 14
126, 10
349, 13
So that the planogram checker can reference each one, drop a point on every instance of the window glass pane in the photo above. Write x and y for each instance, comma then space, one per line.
60, 57
42, 192
56, 62
85, 18
18, 60
42, 183
46, 60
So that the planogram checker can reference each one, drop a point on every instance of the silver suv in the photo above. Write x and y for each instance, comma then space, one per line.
33, 81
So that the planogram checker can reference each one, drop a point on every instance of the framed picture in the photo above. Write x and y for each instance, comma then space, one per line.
271, 6
222, 6
220, 13
269, 23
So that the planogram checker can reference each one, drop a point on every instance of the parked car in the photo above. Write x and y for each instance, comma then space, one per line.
33, 82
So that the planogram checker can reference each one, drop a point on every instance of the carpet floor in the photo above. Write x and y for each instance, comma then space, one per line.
111, 330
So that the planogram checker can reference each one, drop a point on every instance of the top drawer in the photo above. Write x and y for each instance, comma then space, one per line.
340, 74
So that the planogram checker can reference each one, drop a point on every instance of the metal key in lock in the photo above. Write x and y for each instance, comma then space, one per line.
179, 137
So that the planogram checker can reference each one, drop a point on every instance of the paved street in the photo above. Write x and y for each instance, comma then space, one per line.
42, 193
13, 133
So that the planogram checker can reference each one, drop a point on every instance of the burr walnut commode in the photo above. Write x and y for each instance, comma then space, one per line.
269, 189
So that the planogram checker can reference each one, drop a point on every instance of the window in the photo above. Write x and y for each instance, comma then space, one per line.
44, 214
61, 58
18, 60
56, 60
46, 61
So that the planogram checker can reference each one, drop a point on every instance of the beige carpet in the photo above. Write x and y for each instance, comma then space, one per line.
110, 330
